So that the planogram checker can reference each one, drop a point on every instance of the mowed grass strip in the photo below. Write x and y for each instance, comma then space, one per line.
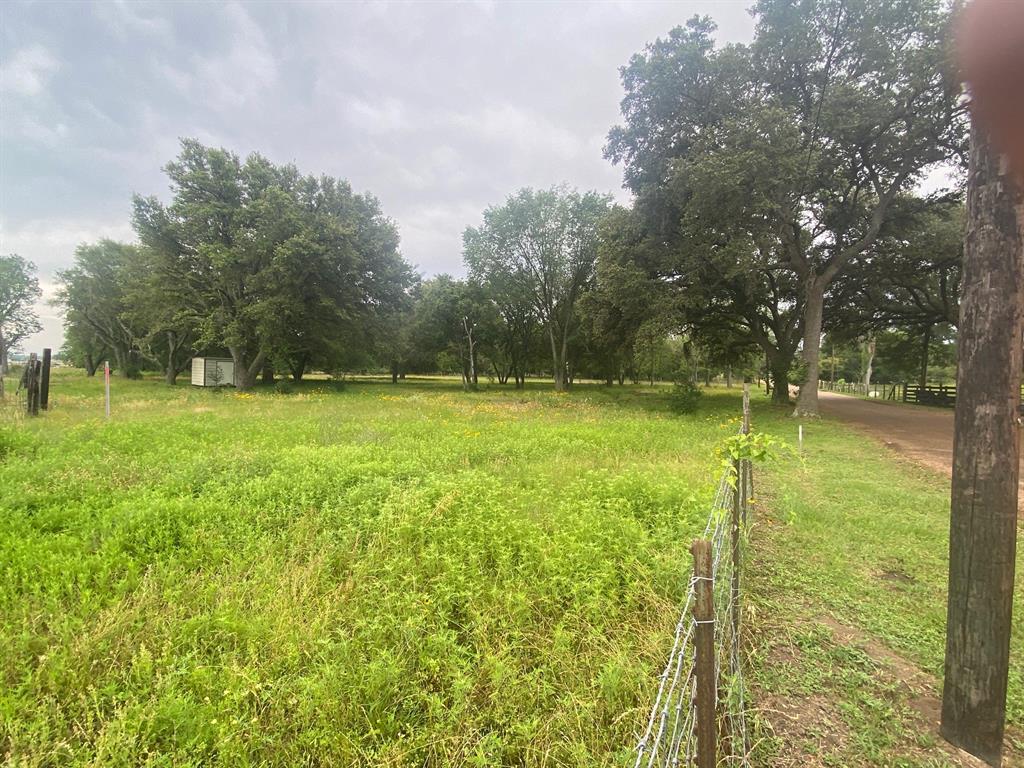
381, 575
847, 597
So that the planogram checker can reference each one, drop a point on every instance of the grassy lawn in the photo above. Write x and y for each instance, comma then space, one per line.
410, 575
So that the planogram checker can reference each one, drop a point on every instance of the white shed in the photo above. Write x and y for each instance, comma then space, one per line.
213, 371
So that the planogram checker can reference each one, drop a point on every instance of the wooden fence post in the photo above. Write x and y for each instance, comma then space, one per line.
32, 385
704, 652
44, 388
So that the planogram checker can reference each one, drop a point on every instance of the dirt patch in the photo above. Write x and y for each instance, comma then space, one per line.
920, 689
810, 726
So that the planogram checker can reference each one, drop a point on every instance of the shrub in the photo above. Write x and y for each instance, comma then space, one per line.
283, 387
685, 397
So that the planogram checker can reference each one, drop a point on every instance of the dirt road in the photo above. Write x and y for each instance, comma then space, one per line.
922, 434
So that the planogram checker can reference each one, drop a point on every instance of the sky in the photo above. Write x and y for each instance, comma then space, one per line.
438, 109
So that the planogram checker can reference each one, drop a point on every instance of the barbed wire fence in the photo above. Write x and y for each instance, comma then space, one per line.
699, 716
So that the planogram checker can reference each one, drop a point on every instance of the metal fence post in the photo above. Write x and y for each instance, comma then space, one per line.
737, 496
748, 473
704, 647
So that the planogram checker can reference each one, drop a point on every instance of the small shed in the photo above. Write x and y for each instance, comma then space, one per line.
213, 371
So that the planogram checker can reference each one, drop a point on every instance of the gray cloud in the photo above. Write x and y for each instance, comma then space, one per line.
439, 109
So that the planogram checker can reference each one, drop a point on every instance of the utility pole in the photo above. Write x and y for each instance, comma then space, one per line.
986, 458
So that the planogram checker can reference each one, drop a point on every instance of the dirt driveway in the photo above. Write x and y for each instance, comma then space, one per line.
920, 433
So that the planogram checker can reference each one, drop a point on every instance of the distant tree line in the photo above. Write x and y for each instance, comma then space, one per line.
774, 207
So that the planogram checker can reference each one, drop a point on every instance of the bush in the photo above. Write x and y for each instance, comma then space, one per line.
283, 387
685, 397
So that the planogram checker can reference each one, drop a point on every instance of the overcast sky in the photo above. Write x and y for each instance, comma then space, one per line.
438, 109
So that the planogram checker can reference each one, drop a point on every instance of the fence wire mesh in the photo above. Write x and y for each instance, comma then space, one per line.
670, 738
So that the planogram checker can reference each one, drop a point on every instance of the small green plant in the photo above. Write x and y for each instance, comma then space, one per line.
757, 447
685, 397
283, 387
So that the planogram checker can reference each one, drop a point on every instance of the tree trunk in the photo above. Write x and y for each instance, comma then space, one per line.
986, 447
245, 372
558, 361
394, 371
471, 381
121, 362
298, 368
170, 369
91, 365
869, 361
779, 388
807, 400
922, 377
728, 377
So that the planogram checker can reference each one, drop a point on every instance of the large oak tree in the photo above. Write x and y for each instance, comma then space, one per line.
804, 138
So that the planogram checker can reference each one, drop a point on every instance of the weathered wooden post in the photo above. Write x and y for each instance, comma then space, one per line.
704, 653
32, 385
986, 453
44, 387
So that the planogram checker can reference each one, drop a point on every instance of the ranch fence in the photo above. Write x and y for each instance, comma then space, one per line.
943, 395
874, 391
699, 717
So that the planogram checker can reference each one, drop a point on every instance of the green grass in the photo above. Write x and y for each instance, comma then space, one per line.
411, 575
383, 575
859, 539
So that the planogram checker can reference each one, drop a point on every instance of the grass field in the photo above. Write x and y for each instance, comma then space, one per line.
411, 575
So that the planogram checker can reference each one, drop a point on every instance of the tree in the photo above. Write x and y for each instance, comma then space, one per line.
19, 289
82, 347
449, 317
804, 139
544, 244
909, 280
94, 294
276, 267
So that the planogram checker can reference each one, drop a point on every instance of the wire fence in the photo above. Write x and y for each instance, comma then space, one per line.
671, 735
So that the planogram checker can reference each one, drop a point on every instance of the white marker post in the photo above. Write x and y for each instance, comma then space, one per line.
800, 439
106, 385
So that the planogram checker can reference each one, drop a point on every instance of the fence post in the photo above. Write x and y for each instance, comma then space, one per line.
44, 389
704, 649
106, 387
748, 474
32, 385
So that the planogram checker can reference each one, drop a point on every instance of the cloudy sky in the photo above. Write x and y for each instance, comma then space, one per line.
439, 109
